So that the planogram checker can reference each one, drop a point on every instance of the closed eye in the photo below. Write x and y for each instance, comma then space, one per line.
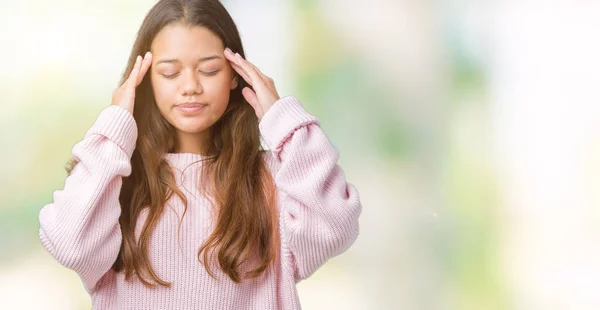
210, 73
171, 76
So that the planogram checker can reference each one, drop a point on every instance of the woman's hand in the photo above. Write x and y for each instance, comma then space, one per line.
124, 95
263, 94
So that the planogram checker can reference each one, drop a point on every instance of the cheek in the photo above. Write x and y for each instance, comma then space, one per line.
217, 88
218, 91
164, 93
217, 83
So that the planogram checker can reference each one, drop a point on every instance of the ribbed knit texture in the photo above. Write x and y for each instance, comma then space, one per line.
319, 214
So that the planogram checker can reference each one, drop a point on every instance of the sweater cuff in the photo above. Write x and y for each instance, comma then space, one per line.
118, 125
282, 119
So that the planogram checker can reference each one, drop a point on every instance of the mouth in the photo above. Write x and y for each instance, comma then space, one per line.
191, 107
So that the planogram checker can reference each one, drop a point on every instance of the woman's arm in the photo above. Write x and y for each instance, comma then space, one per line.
321, 209
80, 228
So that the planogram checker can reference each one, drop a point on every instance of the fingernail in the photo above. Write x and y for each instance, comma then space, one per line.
228, 50
238, 56
147, 55
138, 58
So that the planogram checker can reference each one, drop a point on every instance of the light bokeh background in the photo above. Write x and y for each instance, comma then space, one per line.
471, 129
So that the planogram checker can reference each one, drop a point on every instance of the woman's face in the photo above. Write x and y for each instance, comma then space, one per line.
188, 66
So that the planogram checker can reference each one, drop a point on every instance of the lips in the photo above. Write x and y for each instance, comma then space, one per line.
190, 108
191, 105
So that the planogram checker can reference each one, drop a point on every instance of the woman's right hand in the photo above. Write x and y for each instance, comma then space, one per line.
124, 95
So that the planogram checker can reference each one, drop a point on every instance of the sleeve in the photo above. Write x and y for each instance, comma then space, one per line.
80, 228
321, 209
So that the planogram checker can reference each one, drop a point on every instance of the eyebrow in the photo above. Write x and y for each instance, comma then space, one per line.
203, 59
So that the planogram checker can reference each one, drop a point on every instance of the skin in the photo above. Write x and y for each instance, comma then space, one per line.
190, 64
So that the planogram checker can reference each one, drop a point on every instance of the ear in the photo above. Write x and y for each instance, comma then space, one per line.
234, 82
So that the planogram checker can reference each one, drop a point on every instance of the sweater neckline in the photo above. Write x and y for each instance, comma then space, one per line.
183, 160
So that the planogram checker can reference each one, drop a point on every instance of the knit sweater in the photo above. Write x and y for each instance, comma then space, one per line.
318, 218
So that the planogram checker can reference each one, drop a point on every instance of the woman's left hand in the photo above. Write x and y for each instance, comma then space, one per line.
263, 94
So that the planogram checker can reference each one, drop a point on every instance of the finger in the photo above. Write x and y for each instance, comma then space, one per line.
266, 79
251, 97
229, 55
146, 63
132, 79
241, 72
262, 75
254, 76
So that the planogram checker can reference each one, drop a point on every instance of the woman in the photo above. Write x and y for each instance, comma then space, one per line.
171, 203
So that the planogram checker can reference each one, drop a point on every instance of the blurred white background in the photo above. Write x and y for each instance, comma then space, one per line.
471, 129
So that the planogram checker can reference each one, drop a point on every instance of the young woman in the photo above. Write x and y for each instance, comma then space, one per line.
171, 203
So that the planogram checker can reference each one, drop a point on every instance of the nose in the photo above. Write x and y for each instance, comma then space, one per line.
190, 84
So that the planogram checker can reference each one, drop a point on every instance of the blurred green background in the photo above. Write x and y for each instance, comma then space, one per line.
471, 129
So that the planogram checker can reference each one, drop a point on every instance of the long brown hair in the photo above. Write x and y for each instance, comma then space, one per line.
241, 184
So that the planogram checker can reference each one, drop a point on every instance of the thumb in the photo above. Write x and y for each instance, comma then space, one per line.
252, 99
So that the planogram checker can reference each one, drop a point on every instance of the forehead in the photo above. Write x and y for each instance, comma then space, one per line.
176, 40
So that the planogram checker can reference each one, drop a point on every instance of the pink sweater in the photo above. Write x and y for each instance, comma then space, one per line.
319, 214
